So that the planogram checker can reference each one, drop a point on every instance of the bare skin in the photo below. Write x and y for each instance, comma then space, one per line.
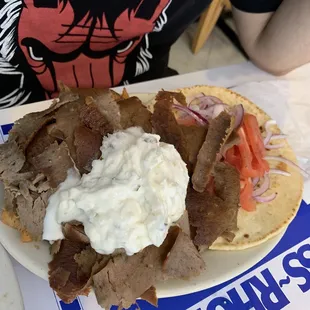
277, 42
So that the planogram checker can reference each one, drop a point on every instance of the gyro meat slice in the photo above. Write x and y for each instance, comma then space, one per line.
135, 114
219, 130
165, 124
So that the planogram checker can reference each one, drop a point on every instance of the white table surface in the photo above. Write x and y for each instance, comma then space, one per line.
228, 76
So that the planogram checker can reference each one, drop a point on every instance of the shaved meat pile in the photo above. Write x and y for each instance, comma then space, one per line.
43, 146
133, 113
150, 296
213, 195
184, 259
194, 137
166, 125
227, 187
219, 131
212, 216
126, 278
87, 147
54, 162
101, 114
69, 273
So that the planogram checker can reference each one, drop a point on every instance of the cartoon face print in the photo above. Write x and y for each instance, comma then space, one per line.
84, 43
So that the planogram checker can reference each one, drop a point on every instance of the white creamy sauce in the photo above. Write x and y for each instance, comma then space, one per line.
131, 197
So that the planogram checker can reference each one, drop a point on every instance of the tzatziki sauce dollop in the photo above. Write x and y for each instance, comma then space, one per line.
129, 199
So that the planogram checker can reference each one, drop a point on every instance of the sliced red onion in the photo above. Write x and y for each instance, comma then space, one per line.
182, 114
263, 188
268, 123
200, 119
195, 102
278, 171
189, 99
209, 110
289, 163
203, 101
215, 99
217, 110
269, 133
212, 111
267, 138
271, 137
276, 137
238, 112
203, 119
274, 146
209, 107
266, 198
207, 101
255, 181
195, 107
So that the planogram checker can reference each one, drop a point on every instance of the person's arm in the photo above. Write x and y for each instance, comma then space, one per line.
279, 41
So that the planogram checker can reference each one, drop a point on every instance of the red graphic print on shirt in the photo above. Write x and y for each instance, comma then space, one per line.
85, 43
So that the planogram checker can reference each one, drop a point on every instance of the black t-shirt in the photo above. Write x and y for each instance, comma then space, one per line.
256, 6
91, 43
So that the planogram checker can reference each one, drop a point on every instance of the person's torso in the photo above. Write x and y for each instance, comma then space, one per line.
87, 43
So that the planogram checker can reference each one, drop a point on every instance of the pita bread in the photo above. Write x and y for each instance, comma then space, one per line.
271, 218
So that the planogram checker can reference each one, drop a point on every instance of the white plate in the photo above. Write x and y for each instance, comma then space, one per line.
10, 295
221, 265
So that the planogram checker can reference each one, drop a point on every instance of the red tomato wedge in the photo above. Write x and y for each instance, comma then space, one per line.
249, 165
246, 200
232, 156
251, 149
247, 170
256, 143
248, 158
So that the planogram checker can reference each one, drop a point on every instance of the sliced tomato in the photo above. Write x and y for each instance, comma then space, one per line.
253, 134
232, 156
248, 170
255, 141
248, 158
246, 200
